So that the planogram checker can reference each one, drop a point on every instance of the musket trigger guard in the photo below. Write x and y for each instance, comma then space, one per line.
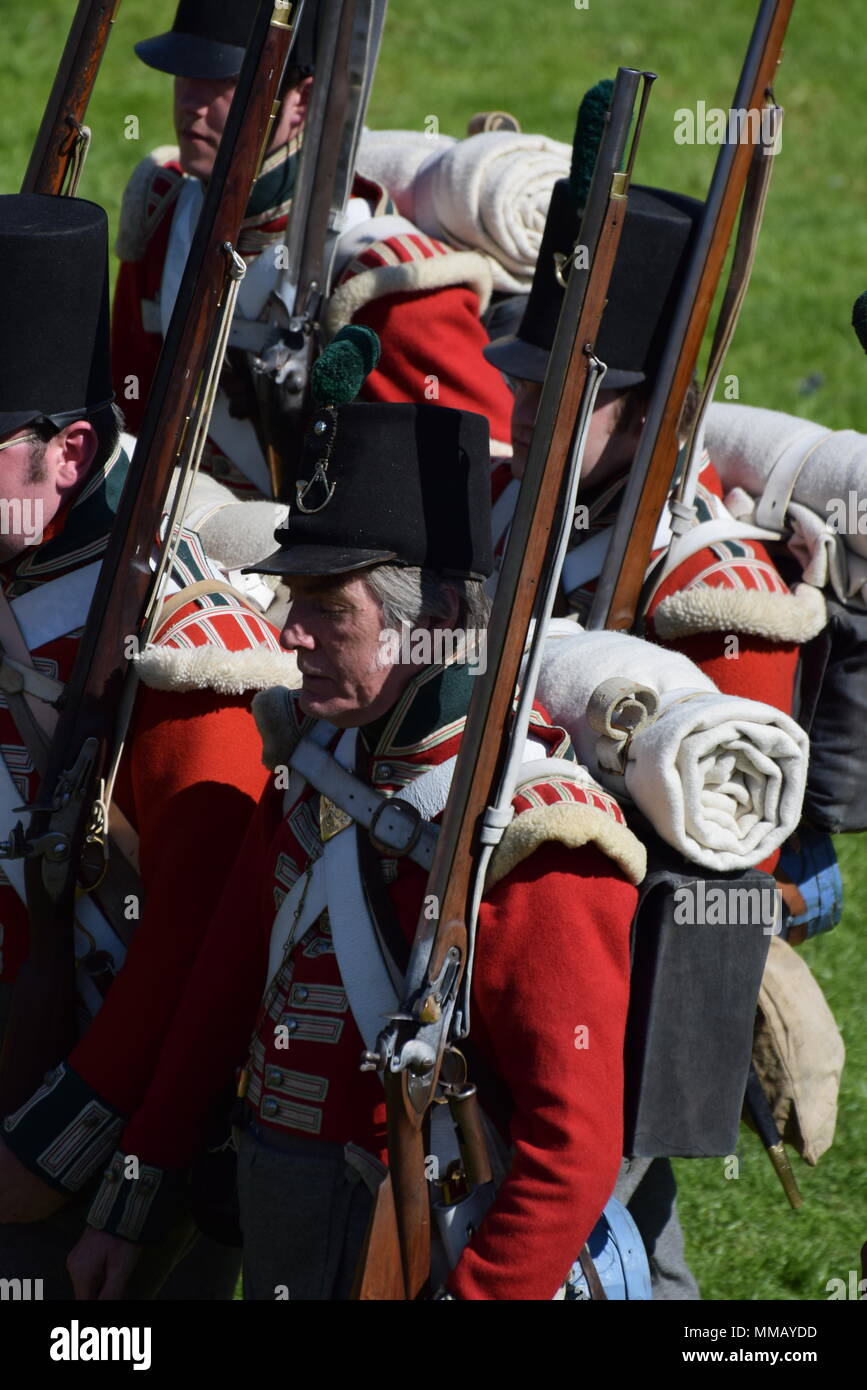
449, 1083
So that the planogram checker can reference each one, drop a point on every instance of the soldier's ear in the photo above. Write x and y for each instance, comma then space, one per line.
303, 93
78, 444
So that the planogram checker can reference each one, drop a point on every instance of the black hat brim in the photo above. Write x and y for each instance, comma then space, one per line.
319, 559
518, 358
12, 420
188, 55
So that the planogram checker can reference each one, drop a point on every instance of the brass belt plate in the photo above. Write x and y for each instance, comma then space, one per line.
331, 819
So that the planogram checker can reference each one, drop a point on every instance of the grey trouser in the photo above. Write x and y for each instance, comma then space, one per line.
647, 1187
304, 1214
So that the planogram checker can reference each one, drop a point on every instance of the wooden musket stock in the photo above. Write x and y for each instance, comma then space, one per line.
70, 94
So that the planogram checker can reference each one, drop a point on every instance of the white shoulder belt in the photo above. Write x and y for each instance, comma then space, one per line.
335, 879
49, 611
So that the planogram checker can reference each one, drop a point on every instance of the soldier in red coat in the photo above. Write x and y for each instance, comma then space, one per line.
725, 587
191, 775
422, 297
277, 991
724, 604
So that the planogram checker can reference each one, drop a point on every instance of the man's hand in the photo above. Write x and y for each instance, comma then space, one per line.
100, 1265
23, 1196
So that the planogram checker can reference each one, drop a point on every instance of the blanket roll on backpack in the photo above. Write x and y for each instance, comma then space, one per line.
721, 779
762, 456
488, 193
803, 479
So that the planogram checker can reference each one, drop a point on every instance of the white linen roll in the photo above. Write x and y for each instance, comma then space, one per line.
826, 519
489, 192
720, 778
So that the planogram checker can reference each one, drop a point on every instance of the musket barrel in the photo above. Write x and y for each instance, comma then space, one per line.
528, 541
653, 467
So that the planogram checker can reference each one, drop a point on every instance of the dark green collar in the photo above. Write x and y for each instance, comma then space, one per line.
276, 183
432, 706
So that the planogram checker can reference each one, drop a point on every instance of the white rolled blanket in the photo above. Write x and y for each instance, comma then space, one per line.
721, 779
826, 519
488, 193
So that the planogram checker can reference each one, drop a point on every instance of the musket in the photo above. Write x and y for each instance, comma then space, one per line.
69, 808
411, 1049
348, 44
619, 586
63, 139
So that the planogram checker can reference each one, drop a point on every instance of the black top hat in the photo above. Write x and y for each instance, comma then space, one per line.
53, 310
399, 483
208, 39
642, 293
648, 271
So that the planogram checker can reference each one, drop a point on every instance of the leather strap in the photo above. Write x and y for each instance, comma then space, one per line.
705, 534
364, 965
193, 591
236, 438
585, 561
588, 1268
17, 678
503, 510
774, 502
395, 823
55, 608
38, 720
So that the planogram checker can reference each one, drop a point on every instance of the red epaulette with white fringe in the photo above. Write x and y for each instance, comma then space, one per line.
731, 586
216, 640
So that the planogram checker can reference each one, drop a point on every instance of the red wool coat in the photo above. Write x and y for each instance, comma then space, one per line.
422, 298
551, 962
189, 782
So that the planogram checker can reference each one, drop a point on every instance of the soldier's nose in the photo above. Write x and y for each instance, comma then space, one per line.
296, 633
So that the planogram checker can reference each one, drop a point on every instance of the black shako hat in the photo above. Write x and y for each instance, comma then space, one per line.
53, 311
208, 39
388, 482
642, 295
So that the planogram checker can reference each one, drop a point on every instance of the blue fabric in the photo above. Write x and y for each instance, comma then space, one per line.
619, 1257
809, 860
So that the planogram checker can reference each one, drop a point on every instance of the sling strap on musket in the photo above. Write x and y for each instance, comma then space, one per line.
63, 140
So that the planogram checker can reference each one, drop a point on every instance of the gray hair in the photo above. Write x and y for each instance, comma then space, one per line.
415, 596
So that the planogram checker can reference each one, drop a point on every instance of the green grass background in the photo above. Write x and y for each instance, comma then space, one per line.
794, 351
